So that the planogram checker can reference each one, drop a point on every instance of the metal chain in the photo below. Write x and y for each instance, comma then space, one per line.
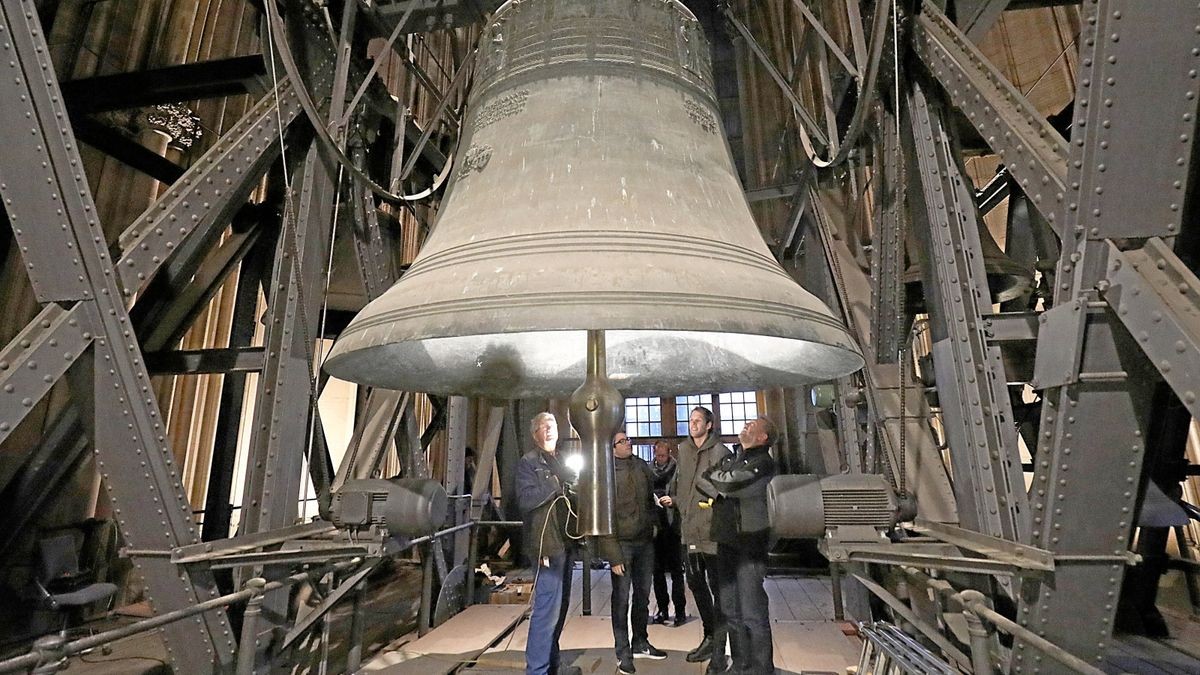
903, 361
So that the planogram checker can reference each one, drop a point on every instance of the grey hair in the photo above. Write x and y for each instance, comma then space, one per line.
537, 421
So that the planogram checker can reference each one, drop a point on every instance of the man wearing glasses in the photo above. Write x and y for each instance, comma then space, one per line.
630, 551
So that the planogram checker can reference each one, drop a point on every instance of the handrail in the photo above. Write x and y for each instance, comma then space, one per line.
44, 650
972, 601
54, 648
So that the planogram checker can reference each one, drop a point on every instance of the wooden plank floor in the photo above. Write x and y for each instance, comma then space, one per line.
806, 638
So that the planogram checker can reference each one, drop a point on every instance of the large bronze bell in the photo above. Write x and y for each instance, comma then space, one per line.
594, 190
1007, 279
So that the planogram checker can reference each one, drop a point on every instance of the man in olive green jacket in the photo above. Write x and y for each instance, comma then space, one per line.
693, 494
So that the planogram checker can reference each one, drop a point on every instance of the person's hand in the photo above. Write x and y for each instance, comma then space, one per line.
666, 500
618, 570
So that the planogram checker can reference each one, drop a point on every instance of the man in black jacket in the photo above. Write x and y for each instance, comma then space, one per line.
742, 531
668, 548
630, 552
542, 498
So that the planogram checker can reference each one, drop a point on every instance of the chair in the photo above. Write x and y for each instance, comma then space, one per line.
60, 582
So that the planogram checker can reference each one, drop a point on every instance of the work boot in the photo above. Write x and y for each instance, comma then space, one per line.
702, 652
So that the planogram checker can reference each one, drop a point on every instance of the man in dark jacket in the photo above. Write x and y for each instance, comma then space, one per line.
630, 552
697, 453
742, 531
542, 498
668, 548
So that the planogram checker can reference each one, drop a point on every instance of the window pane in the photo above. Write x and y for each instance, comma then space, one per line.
656, 414
643, 429
681, 429
655, 429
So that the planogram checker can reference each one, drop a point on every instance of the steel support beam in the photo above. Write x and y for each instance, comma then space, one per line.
121, 147
198, 361
976, 17
902, 420
1158, 299
285, 409
1032, 150
54, 221
187, 82
36, 359
888, 325
185, 220
1089, 460
971, 382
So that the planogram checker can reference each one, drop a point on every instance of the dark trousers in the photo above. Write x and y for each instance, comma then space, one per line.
551, 600
668, 552
742, 568
639, 569
702, 579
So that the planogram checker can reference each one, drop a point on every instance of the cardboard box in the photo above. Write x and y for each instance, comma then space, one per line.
512, 593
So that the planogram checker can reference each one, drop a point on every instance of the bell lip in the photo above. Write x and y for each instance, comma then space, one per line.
678, 5
658, 382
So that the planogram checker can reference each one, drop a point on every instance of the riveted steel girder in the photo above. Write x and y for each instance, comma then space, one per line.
54, 220
971, 380
1032, 150
1158, 299
1089, 458
196, 208
36, 359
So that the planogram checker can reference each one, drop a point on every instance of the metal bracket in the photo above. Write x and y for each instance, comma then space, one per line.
1060, 345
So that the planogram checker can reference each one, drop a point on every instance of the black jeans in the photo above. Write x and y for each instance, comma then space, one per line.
702, 579
668, 552
742, 568
639, 569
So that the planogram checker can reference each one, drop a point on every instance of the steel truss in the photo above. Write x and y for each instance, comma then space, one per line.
1123, 313
104, 311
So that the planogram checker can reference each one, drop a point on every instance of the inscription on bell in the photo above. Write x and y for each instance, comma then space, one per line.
701, 116
507, 105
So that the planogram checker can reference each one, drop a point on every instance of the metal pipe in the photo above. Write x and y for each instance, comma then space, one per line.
472, 563
835, 585
586, 581
33, 658
1038, 642
910, 616
354, 655
50, 649
980, 657
248, 643
423, 618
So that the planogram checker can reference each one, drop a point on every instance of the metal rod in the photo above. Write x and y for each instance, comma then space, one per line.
1040, 643
357, 625
32, 659
423, 618
248, 644
910, 616
980, 657
586, 610
472, 563
835, 585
